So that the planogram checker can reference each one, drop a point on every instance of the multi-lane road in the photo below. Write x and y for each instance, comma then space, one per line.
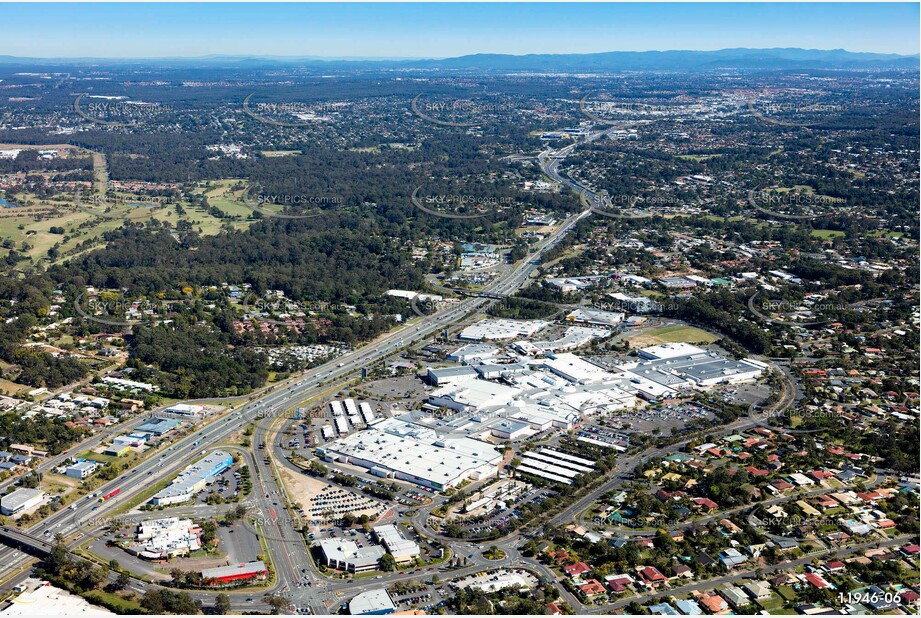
286, 546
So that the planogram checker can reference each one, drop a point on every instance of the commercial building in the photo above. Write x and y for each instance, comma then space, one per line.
81, 470
21, 500
494, 330
675, 367
159, 426
596, 317
193, 479
398, 449
574, 337
473, 352
185, 409
668, 350
161, 539
403, 550
346, 555
236, 573
372, 603
450, 375
511, 429
117, 450
575, 369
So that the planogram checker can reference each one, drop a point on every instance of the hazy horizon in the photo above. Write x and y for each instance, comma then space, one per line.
431, 31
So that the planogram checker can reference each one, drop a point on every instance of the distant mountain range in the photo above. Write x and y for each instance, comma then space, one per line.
740, 58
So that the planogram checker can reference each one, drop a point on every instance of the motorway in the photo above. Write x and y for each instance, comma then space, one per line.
296, 575
286, 546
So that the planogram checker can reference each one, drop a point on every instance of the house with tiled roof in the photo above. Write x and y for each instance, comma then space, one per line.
577, 569
714, 603
592, 588
619, 583
817, 581
705, 504
651, 577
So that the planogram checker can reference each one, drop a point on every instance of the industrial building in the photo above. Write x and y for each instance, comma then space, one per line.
81, 469
159, 426
394, 448
236, 573
403, 550
21, 500
193, 479
185, 409
346, 555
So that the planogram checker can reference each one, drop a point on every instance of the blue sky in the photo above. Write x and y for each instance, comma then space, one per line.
443, 30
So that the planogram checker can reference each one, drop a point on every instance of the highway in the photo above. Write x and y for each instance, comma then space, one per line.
296, 576
286, 545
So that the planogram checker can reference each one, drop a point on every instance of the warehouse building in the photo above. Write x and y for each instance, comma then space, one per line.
193, 479
159, 426
81, 470
185, 409
21, 500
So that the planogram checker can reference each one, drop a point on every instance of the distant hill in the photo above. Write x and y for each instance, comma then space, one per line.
785, 58
741, 58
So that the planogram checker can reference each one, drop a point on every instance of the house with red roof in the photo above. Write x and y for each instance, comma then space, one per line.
645, 543
619, 583
885, 524
817, 580
592, 588
714, 603
651, 577
554, 609
560, 556
706, 504
834, 566
910, 550
781, 485
577, 569
909, 597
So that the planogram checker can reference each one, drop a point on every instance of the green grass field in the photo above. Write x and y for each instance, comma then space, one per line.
672, 334
827, 234
84, 224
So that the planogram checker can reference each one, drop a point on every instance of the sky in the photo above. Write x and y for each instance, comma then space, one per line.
443, 30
